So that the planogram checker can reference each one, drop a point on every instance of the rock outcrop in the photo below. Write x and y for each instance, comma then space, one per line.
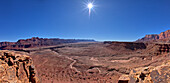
16, 68
159, 74
162, 48
162, 37
37, 42
126, 45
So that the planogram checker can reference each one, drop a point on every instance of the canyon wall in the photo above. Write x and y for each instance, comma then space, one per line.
162, 37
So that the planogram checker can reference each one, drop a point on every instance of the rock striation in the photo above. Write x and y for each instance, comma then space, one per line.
16, 68
162, 48
163, 37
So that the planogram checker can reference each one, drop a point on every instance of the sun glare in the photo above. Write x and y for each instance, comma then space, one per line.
90, 5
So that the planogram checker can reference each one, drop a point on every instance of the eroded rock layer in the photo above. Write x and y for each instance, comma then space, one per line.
162, 37
163, 48
16, 68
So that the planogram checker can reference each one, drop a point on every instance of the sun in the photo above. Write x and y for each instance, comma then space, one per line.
90, 5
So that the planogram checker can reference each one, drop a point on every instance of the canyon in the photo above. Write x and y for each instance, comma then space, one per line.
71, 61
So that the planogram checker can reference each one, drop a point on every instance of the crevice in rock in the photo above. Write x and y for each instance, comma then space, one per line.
10, 63
32, 74
25, 69
123, 81
142, 76
17, 72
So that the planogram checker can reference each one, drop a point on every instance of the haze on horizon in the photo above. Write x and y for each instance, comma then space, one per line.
119, 20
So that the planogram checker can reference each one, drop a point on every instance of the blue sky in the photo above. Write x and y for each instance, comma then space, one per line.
119, 20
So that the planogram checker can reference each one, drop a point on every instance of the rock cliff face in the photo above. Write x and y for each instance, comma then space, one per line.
152, 48
37, 42
164, 36
16, 68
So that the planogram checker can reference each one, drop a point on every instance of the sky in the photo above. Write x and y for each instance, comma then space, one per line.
114, 20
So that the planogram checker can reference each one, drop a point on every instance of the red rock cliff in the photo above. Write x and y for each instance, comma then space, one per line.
164, 36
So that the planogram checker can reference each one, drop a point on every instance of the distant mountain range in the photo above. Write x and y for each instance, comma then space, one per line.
162, 37
38, 42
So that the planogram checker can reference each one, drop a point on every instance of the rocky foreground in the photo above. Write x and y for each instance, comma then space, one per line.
16, 68
150, 74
